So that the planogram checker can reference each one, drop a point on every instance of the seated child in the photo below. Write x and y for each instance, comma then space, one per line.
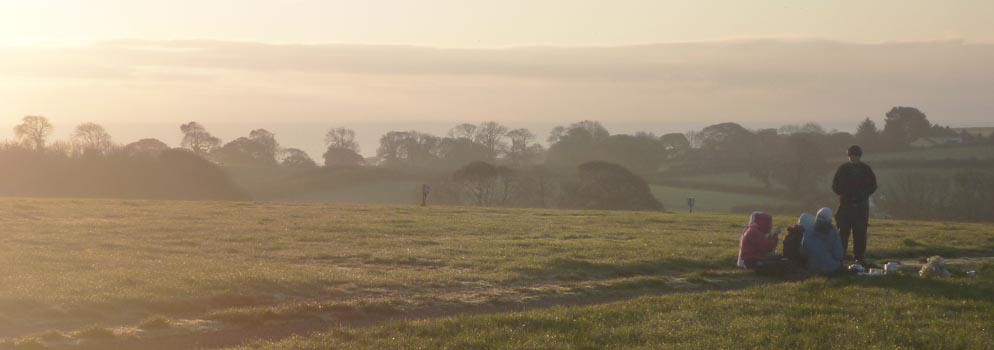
822, 246
792, 243
759, 241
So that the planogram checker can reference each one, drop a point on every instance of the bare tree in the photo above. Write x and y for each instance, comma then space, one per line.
92, 137
594, 129
341, 138
409, 148
33, 131
196, 138
61, 147
485, 184
267, 143
490, 135
523, 148
467, 131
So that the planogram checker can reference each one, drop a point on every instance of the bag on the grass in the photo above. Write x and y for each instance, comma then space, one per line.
934, 267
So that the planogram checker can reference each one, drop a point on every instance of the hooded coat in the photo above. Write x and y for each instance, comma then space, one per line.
822, 245
754, 244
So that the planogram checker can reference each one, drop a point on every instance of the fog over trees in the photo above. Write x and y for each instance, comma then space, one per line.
582, 165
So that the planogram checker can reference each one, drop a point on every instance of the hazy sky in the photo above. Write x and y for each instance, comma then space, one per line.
299, 67
488, 23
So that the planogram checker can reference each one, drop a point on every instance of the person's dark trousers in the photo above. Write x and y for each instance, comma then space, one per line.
853, 220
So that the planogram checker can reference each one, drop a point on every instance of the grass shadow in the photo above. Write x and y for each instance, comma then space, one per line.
914, 250
571, 269
979, 289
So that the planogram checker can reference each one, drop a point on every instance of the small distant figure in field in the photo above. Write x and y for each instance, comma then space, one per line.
822, 246
425, 190
854, 182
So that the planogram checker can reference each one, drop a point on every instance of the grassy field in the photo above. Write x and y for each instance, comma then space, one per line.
675, 199
387, 192
982, 152
899, 313
736, 179
123, 274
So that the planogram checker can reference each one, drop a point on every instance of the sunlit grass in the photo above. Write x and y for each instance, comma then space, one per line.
887, 313
158, 268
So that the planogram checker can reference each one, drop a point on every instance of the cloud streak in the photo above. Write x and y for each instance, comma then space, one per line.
758, 82
742, 61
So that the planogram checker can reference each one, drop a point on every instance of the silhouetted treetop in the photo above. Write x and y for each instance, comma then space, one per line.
145, 146
91, 137
341, 138
296, 158
33, 131
604, 185
196, 138
341, 157
905, 124
674, 142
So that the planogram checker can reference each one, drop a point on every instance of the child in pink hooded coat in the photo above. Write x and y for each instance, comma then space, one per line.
758, 242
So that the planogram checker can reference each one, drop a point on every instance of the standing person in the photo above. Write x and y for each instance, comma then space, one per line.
854, 182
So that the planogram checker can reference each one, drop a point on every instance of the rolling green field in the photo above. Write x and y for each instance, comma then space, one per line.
980, 152
675, 199
387, 192
125, 274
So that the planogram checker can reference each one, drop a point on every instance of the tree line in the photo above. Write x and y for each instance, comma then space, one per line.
723, 145
493, 164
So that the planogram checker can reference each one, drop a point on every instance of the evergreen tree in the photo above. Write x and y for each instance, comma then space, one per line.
866, 131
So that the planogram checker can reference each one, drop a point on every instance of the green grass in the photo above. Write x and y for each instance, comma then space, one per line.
852, 313
154, 322
387, 192
95, 333
738, 179
675, 199
129, 266
980, 152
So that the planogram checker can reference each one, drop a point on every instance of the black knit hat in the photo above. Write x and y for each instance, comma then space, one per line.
855, 150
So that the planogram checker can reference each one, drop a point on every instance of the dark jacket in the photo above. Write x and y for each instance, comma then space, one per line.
792, 245
854, 183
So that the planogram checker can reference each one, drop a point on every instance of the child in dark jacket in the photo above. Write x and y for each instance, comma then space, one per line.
792, 243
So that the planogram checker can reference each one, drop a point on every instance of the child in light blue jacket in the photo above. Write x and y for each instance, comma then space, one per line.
823, 245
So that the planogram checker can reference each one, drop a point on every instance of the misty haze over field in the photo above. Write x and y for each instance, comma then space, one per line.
145, 88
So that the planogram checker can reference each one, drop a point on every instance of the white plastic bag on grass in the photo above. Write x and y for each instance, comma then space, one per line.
934, 267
